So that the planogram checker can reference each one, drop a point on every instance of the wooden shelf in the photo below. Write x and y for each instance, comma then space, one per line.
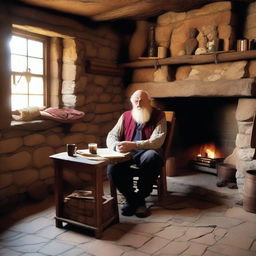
216, 57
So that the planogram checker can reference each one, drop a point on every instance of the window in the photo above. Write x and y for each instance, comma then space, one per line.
28, 70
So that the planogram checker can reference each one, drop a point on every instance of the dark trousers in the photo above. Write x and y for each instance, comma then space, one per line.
149, 162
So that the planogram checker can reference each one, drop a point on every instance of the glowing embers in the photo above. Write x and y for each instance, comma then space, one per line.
207, 158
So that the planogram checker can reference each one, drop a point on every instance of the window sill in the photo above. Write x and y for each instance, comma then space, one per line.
34, 125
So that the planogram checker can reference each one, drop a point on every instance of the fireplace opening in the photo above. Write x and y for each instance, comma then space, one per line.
205, 131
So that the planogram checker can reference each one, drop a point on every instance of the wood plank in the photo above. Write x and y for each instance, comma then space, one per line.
194, 59
197, 88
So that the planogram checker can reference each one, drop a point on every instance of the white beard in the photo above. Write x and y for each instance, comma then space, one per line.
141, 115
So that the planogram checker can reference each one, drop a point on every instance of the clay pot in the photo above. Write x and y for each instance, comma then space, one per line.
249, 202
226, 172
139, 40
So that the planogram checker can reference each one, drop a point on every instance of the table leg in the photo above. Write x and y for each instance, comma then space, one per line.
98, 184
58, 192
115, 202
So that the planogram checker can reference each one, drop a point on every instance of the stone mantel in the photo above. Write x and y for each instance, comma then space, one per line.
195, 88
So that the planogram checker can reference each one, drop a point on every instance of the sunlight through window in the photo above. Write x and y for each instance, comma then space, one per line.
28, 71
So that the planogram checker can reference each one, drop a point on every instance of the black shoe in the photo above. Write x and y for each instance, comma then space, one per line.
128, 209
142, 211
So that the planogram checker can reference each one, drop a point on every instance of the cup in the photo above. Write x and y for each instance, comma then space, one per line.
92, 148
161, 52
242, 45
71, 149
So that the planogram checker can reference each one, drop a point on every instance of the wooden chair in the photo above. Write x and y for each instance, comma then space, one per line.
161, 181
161, 185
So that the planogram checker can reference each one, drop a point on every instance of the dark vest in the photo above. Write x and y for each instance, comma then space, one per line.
130, 125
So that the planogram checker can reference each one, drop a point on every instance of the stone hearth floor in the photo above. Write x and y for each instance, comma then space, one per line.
197, 218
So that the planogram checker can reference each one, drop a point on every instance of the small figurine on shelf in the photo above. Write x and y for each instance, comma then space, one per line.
191, 43
209, 41
152, 49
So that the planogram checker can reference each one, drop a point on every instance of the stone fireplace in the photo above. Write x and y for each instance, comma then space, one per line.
212, 94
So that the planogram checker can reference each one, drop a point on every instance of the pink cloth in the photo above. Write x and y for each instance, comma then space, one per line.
62, 114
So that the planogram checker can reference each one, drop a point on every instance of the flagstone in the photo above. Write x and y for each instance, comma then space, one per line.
9, 252
33, 226
101, 248
134, 240
50, 232
240, 213
240, 240
194, 249
195, 232
73, 237
55, 248
218, 221
154, 245
172, 232
229, 250
173, 248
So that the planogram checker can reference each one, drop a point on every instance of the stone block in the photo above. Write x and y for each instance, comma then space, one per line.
252, 68
74, 138
25, 177
104, 98
250, 32
163, 34
107, 108
243, 166
34, 139
102, 80
69, 71
250, 21
243, 140
143, 75
182, 72
81, 83
91, 49
10, 145
47, 172
69, 100
213, 72
79, 127
37, 191
246, 154
245, 127
161, 74
103, 118
170, 17
53, 140
92, 128
251, 8
69, 50
6, 180
80, 100
117, 99
14, 133
246, 109
68, 87
17, 161
41, 156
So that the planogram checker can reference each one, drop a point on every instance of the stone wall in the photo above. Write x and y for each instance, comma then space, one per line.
25, 167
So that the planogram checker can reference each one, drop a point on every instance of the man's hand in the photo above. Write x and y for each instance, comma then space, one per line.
126, 146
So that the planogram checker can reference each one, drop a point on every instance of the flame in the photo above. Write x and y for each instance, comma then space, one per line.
208, 150
210, 153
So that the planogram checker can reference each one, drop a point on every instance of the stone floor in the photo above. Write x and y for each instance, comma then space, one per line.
197, 218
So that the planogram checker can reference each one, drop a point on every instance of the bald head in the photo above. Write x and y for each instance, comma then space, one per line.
141, 99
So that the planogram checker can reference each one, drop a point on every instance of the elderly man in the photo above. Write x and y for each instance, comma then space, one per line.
142, 132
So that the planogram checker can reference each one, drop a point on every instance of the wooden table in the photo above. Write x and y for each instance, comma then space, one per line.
96, 170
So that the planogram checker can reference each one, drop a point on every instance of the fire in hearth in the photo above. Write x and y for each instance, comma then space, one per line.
207, 158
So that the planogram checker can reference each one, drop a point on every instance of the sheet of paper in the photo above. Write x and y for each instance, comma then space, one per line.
101, 152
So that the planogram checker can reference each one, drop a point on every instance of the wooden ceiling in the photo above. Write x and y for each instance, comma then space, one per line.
103, 10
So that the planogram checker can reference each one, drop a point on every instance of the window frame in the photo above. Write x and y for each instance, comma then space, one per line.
46, 58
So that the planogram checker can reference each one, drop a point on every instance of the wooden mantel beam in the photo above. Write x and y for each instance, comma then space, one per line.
217, 57
245, 87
